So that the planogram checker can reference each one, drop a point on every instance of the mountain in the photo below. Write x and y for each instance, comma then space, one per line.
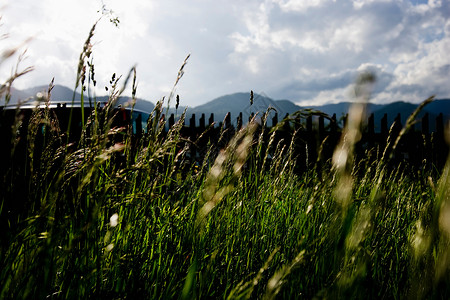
62, 94
59, 93
16, 95
405, 109
286, 106
440, 106
342, 108
240, 102
392, 110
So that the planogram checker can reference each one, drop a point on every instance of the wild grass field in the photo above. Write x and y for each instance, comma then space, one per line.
109, 217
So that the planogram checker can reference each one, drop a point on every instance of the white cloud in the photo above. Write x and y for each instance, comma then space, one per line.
328, 96
425, 73
350, 35
396, 39
358, 4
305, 51
299, 5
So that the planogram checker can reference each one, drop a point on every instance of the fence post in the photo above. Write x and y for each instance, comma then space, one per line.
426, 150
330, 145
228, 120
439, 146
321, 128
309, 124
371, 126
193, 132
384, 126
192, 121
440, 125
333, 124
286, 124
311, 144
171, 120
239, 121
425, 124
201, 122
211, 119
382, 137
397, 124
369, 137
275, 120
138, 124
251, 117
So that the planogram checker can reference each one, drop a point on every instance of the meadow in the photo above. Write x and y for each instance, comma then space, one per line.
109, 216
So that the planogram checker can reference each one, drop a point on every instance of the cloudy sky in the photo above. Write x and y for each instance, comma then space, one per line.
307, 51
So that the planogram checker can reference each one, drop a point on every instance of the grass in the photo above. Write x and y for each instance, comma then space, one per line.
108, 218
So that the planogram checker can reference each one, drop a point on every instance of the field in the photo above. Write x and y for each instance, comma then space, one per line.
112, 217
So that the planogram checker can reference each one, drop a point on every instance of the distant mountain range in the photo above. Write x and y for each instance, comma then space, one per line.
62, 94
240, 102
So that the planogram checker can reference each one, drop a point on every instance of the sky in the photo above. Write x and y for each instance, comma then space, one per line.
306, 51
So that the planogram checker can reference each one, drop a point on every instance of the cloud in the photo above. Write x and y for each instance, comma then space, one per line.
321, 48
299, 5
308, 51
426, 72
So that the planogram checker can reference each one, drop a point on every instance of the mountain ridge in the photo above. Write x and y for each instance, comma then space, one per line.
63, 94
239, 102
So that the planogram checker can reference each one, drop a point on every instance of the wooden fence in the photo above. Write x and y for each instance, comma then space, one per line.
315, 134
319, 135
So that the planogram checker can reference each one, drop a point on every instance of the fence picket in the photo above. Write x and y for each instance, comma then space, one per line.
415, 146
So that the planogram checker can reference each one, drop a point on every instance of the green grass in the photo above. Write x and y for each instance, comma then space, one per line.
109, 219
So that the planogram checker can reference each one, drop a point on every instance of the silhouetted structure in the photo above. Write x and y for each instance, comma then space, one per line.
314, 134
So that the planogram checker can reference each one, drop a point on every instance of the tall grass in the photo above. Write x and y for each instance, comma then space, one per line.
109, 217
